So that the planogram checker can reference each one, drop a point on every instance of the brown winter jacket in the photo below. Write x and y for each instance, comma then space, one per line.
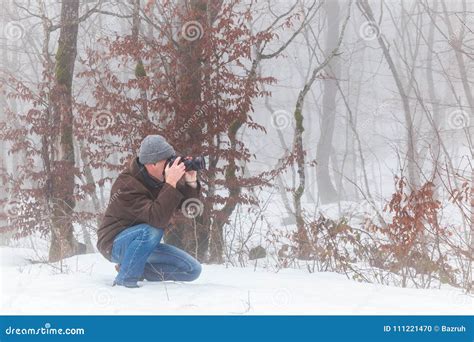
136, 198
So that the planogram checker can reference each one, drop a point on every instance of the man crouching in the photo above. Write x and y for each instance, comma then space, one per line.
143, 199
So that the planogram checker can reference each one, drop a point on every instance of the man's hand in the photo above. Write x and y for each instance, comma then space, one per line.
174, 172
191, 179
190, 176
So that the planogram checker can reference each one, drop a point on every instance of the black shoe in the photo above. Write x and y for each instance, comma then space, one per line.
117, 268
129, 285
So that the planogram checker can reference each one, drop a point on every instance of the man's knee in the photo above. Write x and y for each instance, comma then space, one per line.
196, 271
151, 234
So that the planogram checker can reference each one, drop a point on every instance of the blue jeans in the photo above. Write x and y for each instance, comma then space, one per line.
140, 254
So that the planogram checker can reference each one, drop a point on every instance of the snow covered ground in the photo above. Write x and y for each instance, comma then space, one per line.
85, 288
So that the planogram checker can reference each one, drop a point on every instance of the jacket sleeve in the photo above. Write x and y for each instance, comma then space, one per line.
140, 207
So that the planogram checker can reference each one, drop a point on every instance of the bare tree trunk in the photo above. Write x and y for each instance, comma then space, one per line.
4, 235
326, 190
304, 247
89, 180
279, 178
301, 234
189, 78
471, 286
456, 43
63, 243
9, 163
434, 99
411, 145
139, 68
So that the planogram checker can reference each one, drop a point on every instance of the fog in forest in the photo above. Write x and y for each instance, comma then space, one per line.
338, 135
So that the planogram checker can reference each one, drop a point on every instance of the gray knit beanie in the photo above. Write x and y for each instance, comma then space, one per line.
154, 148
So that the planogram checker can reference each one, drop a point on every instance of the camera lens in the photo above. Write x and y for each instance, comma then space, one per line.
193, 164
199, 163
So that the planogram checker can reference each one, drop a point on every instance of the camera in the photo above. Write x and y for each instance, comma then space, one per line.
191, 164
